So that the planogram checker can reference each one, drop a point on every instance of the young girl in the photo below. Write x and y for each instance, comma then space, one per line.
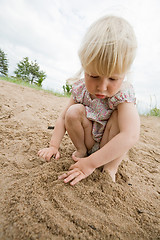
100, 118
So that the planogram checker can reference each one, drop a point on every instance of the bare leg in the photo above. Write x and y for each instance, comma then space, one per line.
79, 129
111, 130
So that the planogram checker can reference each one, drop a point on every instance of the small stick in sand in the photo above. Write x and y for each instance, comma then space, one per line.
50, 127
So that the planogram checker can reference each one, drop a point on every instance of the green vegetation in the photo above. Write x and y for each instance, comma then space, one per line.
27, 71
19, 81
154, 112
3, 63
67, 89
30, 72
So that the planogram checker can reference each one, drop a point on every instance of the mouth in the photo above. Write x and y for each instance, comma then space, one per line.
100, 96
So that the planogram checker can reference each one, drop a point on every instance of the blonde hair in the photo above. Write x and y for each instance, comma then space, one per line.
108, 47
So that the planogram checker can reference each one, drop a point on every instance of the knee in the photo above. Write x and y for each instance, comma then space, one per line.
74, 112
113, 126
113, 119
114, 116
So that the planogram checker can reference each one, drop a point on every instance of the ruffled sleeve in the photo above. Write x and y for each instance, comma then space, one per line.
126, 94
78, 91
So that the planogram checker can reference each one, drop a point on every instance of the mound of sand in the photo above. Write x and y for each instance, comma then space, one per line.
35, 205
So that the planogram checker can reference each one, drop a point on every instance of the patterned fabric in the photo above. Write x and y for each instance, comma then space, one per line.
100, 110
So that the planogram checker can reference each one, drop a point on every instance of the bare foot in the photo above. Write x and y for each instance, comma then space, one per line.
112, 173
79, 154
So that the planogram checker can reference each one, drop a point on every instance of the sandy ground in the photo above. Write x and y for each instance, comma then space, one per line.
35, 205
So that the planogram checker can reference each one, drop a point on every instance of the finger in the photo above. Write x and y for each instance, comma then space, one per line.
77, 179
75, 158
47, 158
40, 152
57, 155
73, 166
42, 155
71, 176
64, 175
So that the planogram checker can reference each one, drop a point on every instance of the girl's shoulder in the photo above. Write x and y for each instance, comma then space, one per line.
78, 90
125, 94
78, 84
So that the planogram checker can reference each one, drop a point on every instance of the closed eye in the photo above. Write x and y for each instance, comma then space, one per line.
94, 76
112, 79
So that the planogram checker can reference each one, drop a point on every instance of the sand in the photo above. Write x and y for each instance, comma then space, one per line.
34, 204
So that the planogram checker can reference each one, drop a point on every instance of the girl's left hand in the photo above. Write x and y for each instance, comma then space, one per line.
78, 171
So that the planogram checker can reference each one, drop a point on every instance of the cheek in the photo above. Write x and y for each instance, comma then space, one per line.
89, 87
89, 84
114, 87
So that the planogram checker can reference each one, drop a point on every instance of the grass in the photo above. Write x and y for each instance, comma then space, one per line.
153, 112
26, 84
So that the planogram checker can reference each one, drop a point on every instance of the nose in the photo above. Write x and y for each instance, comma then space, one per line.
102, 85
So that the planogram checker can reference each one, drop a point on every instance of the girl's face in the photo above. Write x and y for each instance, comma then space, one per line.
102, 87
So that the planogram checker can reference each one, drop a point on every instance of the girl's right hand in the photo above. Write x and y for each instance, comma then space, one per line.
47, 153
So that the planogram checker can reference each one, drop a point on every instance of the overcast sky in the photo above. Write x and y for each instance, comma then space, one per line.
50, 31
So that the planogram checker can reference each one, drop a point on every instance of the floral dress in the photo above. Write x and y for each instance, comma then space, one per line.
100, 110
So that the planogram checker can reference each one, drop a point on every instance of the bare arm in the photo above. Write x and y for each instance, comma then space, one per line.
129, 125
59, 129
57, 135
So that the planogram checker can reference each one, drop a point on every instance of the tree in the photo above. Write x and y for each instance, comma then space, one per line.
67, 88
3, 63
30, 72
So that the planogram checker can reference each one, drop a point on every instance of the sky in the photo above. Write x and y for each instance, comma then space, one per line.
50, 32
